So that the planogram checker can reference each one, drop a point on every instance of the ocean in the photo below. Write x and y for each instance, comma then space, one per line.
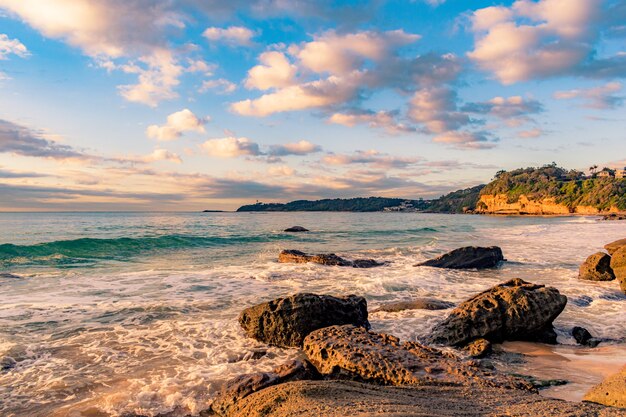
106, 314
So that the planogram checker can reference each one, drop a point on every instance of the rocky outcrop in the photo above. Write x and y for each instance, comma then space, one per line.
244, 385
597, 267
416, 304
470, 257
614, 216
583, 337
514, 310
296, 229
287, 321
499, 204
297, 257
618, 265
350, 398
612, 247
353, 352
611, 391
478, 348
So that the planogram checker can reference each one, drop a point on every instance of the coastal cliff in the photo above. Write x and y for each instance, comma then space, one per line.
499, 204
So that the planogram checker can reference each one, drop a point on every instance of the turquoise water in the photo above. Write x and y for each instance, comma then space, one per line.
103, 314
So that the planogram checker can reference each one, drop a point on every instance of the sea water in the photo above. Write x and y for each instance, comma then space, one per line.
105, 314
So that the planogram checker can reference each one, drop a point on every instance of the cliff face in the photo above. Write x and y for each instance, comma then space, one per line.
498, 204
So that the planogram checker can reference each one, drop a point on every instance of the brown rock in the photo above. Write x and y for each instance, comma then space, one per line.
470, 257
479, 348
353, 352
514, 310
618, 264
285, 322
244, 385
297, 257
611, 391
416, 304
350, 398
296, 229
597, 267
614, 246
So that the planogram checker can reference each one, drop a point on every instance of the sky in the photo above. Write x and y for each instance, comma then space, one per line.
211, 104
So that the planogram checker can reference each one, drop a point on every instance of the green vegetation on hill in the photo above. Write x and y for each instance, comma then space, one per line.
456, 201
337, 204
568, 187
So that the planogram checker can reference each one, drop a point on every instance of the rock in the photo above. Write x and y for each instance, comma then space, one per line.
354, 352
583, 337
514, 310
416, 304
479, 348
611, 391
7, 363
296, 229
9, 275
614, 216
582, 301
351, 398
618, 264
469, 257
297, 257
285, 322
597, 267
614, 246
244, 385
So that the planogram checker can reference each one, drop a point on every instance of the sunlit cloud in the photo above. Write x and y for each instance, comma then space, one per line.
177, 124
602, 97
233, 35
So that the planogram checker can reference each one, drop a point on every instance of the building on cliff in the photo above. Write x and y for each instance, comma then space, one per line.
620, 173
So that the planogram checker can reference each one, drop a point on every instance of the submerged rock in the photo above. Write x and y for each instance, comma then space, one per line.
354, 352
611, 391
285, 322
469, 257
514, 310
583, 337
597, 267
416, 304
296, 229
618, 264
298, 257
244, 385
612, 247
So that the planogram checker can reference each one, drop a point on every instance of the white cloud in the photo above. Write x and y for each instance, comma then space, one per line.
372, 158
230, 147
177, 123
275, 71
162, 155
233, 35
530, 134
303, 147
465, 140
281, 171
11, 47
222, 85
602, 97
381, 120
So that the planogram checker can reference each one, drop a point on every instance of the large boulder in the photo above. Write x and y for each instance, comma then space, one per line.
614, 246
514, 310
244, 385
611, 391
354, 352
469, 257
285, 322
597, 267
298, 257
618, 265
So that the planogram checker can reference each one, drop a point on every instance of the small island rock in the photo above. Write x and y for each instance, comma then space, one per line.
514, 310
469, 257
597, 267
296, 229
285, 322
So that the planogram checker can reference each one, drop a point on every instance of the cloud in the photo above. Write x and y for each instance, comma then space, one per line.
465, 140
281, 171
371, 157
602, 97
222, 85
534, 39
436, 108
13, 174
530, 134
11, 47
275, 71
382, 120
506, 107
302, 147
177, 123
233, 35
231, 147
162, 155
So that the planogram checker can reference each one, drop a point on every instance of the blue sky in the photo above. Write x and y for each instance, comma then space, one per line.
189, 104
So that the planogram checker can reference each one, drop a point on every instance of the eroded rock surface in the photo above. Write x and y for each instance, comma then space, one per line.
298, 257
287, 321
618, 264
612, 247
478, 348
597, 267
514, 310
416, 304
611, 391
470, 257
354, 352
